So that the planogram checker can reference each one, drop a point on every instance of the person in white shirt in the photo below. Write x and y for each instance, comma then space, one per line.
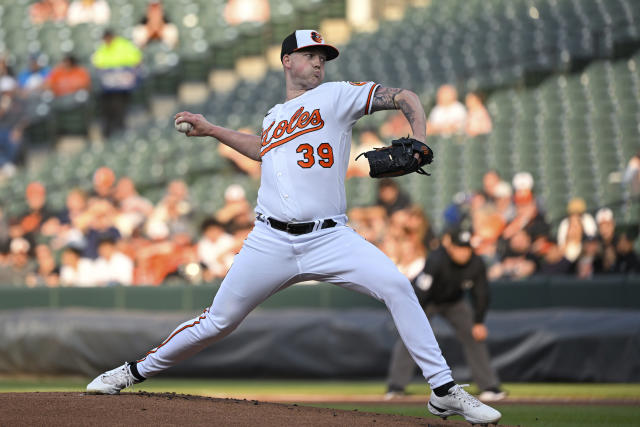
88, 11
76, 270
449, 116
213, 248
113, 267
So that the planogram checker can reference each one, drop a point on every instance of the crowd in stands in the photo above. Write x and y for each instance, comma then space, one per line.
451, 117
115, 66
113, 235
509, 231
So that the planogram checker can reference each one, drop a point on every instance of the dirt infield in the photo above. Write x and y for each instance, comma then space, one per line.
142, 408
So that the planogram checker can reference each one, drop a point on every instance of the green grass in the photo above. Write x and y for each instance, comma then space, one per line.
528, 415
245, 386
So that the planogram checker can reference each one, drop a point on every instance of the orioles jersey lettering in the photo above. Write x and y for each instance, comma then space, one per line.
299, 120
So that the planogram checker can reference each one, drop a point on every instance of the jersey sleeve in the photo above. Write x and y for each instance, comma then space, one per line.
354, 99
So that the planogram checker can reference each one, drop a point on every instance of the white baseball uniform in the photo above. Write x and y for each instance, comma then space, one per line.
305, 150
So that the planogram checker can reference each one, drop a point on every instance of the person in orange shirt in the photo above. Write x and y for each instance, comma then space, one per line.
68, 77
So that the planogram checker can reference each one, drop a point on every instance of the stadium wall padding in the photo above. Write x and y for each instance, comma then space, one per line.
535, 292
526, 345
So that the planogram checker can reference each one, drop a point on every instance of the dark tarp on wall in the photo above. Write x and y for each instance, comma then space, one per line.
526, 345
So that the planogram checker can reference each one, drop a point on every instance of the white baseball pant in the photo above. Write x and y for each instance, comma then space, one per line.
272, 260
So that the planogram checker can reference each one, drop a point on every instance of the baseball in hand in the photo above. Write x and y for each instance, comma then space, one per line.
183, 127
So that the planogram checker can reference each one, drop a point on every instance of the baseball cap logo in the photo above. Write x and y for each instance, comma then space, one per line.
316, 37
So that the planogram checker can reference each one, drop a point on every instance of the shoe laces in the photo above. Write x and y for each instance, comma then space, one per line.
120, 377
461, 394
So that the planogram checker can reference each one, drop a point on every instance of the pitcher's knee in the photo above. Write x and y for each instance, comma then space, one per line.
222, 324
397, 288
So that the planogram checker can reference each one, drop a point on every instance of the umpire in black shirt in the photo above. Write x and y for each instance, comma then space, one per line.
449, 271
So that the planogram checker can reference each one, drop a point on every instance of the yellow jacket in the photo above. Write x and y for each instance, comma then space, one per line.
119, 53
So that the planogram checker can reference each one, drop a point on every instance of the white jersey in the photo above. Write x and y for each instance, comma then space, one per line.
305, 151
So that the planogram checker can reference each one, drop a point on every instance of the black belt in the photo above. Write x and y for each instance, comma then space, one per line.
295, 227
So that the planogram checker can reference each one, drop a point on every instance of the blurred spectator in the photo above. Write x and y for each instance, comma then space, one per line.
32, 79
627, 261
18, 265
46, 273
518, 261
449, 115
71, 222
13, 121
37, 213
178, 190
48, 10
133, 208
368, 141
7, 79
606, 256
174, 210
104, 180
396, 126
408, 229
155, 27
490, 180
214, 249
88, 11
554, 262
243, 163
576, 227
503, 200
394, 234
391, 197
239, 11
76, 270
458, 210
101, 226
116, 60
68, 77
478, 119
15, 231
236, 209
631, 176
419, 227
112, 266
370, 222
240, 231
487, 223
162, 257
527, 213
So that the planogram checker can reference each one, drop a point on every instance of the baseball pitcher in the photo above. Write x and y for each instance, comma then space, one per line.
300, 231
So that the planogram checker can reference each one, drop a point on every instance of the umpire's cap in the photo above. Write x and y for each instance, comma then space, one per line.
460, 236
301, 39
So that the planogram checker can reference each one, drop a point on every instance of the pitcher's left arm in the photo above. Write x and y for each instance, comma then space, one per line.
386, 98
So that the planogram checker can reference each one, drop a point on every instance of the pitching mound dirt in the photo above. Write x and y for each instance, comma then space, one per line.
79, 409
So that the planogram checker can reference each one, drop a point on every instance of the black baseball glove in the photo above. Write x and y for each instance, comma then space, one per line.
399, 158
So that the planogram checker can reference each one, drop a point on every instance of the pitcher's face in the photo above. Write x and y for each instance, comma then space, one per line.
306, 67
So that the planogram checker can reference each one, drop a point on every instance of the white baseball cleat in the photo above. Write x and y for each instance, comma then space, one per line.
459, 402
111, 382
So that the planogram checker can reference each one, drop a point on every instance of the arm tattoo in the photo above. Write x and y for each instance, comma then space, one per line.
384, 99
388, 99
